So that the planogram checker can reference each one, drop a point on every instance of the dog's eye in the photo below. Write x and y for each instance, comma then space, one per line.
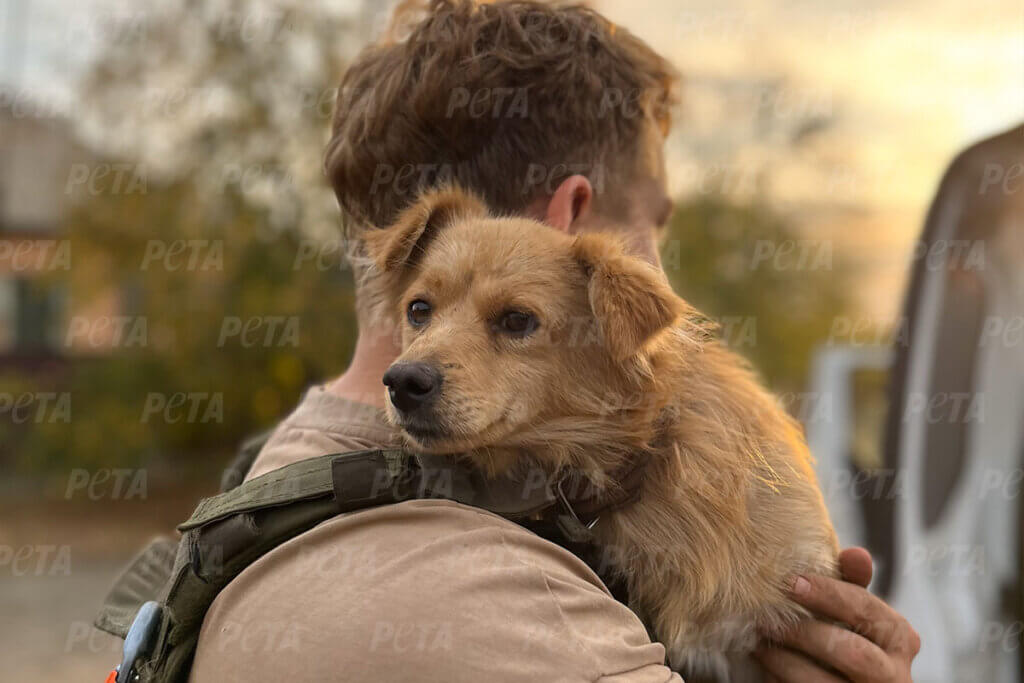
418, 313
517, 323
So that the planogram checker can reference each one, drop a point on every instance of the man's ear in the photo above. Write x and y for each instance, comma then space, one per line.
629, 297
397, 247
570, 204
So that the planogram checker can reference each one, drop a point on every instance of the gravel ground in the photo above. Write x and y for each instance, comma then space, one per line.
46, 629
58, 558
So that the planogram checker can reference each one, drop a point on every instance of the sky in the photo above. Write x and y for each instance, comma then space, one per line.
47, 43
906, 84
843, 113
911, 81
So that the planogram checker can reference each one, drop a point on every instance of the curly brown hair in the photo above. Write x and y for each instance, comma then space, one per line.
506, 99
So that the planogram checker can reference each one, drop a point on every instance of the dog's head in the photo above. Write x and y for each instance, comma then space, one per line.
507, 323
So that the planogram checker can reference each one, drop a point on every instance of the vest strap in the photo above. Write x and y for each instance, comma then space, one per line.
230, 531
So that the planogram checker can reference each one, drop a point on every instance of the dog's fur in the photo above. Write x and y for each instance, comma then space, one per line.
729, 508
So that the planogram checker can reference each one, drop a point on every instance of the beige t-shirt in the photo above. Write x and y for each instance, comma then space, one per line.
426, 590
323, 423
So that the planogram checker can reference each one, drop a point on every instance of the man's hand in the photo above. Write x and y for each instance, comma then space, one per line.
877, 648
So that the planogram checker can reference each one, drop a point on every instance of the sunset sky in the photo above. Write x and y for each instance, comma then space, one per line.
906, 84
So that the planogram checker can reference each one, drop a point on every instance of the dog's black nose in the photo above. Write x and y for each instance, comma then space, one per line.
411, 385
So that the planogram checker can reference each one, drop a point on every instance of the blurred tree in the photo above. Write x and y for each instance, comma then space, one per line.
221, 110
205, 215
774, 292
231, 94
219, 329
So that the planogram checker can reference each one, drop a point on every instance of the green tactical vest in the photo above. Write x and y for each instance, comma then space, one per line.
158, 603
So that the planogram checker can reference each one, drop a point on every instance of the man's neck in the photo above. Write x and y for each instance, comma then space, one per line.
375, 351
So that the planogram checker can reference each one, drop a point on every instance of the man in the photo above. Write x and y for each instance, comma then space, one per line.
554, 113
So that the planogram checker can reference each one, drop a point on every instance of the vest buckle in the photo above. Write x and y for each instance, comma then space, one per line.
139, 641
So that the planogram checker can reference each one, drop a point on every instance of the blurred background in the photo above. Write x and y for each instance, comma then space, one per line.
172, 279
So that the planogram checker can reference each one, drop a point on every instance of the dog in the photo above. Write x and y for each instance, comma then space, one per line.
524, 346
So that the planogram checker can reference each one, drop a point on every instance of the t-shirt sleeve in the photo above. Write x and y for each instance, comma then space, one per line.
426, 591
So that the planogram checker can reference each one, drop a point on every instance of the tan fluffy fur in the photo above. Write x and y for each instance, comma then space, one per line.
729, 509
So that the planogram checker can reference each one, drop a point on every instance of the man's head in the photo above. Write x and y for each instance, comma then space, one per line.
543, 110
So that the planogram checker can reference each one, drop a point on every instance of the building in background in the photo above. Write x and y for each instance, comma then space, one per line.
40, 168
35, 154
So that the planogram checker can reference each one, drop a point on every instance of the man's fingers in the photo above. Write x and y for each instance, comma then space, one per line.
792, 668
849, 653
855, 566
863, 612
875, 647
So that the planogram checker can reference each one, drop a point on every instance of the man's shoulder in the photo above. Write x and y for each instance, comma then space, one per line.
322, 423
425, 585
449, 536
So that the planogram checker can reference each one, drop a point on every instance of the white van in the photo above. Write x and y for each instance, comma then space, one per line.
939, 502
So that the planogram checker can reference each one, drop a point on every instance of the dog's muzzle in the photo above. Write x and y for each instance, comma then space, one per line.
412, 387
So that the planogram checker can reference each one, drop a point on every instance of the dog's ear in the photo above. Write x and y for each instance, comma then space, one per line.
396, 247
630, 298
